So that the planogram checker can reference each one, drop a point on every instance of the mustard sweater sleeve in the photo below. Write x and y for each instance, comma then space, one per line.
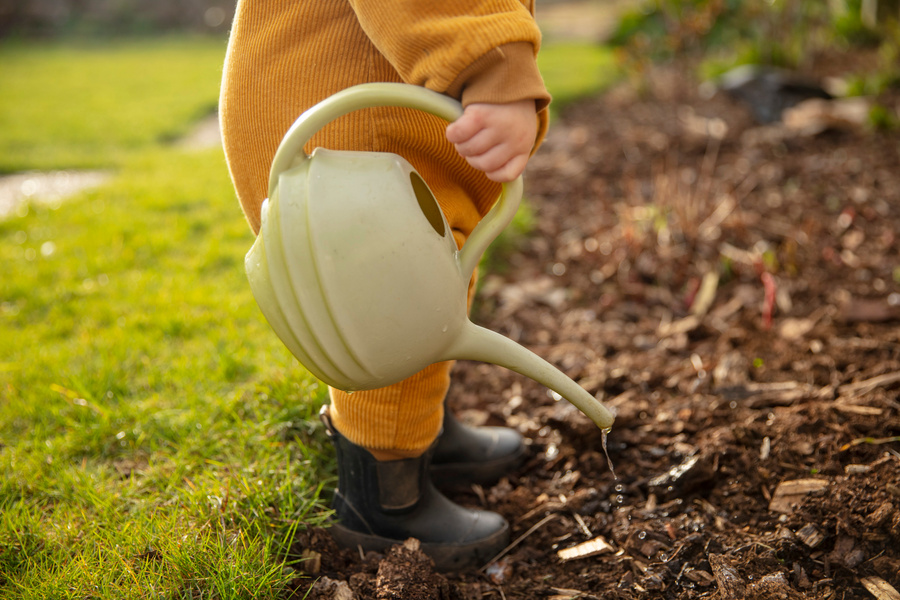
474, 50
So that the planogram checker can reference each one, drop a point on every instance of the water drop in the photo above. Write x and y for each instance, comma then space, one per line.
642, 535
552, 451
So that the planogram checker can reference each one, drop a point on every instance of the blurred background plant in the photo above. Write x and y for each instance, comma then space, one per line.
722, 34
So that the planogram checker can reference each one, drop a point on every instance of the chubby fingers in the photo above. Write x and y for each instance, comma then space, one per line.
507, 172
467, 126
495, 138
490, 152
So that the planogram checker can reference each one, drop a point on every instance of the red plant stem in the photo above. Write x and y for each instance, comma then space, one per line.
769, 299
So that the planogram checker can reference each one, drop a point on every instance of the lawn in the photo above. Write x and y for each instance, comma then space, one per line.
148, 419
156, 439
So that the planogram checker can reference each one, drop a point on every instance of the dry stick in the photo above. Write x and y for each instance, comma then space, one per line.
582, 525
868, 385
519, 539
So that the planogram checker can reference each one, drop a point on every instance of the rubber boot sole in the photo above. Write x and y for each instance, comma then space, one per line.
446, 556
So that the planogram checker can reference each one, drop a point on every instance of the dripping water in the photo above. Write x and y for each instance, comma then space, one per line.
604, 434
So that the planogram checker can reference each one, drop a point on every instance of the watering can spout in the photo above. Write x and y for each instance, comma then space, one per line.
477, 343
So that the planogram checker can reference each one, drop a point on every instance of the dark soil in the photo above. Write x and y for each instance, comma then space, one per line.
737, 302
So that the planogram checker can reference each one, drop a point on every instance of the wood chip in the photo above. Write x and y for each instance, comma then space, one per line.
685, 325
344, 592
593, 547
311, 562
700, 577
731, 585
880, 588
568, 594
790, 494
794, 329
334, 589
855, 469
810, 535
847, 553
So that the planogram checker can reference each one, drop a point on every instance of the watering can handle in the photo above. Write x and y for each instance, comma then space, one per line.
368, 95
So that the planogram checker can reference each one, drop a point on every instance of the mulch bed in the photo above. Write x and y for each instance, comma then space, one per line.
733, 292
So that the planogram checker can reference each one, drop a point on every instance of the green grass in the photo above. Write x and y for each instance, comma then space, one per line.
90, 104
156, 439
575, 70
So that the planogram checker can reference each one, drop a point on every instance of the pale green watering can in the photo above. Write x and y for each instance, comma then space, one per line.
356, 269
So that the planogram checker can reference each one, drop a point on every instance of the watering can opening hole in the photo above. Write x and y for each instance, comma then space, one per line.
427, 203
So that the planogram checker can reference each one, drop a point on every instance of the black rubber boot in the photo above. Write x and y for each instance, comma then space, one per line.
465, 455
379, 504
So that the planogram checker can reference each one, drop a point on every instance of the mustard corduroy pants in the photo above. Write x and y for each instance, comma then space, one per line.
273, 72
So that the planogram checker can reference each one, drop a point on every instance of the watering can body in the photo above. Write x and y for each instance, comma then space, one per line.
356, 268
367, 285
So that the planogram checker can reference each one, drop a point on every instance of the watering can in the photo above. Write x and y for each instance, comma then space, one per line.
356, 268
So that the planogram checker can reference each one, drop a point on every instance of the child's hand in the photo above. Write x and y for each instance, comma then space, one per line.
496, 138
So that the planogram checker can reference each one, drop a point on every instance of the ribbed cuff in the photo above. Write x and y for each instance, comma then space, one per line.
508, 73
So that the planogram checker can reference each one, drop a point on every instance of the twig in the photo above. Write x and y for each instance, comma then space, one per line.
521, 538
870, 440
861, 387
582, 525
